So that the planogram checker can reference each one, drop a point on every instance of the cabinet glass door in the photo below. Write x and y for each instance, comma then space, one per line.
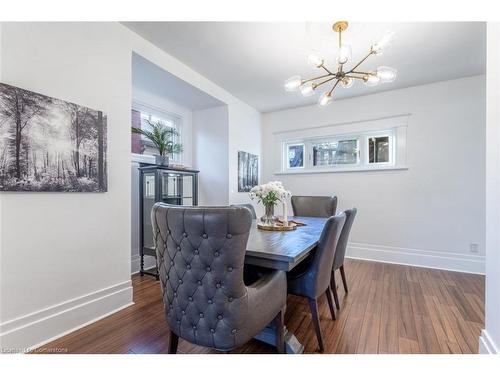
176, 188
148, 200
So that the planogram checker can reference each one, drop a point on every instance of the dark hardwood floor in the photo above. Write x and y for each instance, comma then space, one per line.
389, 309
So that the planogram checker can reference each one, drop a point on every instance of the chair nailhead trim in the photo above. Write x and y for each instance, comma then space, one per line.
229, 235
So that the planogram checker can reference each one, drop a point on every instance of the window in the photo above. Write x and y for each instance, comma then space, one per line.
360, 151
295, 155
379, 149
341, 152
141, 116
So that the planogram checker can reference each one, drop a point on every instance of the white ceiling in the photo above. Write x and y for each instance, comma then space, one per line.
252, 59
153, 79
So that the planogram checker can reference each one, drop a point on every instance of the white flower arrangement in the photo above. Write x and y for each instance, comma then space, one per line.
270, 193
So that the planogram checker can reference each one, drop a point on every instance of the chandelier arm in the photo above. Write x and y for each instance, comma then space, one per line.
315, 78
326, 69
325, 81
333, 88
362, 73
361, 62
356, 77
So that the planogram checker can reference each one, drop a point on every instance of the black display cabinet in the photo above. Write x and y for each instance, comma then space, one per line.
162, 184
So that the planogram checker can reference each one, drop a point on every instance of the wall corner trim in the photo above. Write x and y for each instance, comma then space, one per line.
33, 330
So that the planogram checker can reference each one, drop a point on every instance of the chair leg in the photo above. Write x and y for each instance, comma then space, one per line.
344, 281
172, 344
313, 304
334, 291
330, 302
279, 322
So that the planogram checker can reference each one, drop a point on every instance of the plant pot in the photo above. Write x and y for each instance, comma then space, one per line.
269, 218
161, 160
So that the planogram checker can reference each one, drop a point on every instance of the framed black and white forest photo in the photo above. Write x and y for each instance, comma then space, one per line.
248, 171
48, 144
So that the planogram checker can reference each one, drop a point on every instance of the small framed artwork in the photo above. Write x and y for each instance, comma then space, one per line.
248, 171
48, 144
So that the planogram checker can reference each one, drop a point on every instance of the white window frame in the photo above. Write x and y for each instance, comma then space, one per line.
392, 140
395, 127
161, 114
286, 160
315, 141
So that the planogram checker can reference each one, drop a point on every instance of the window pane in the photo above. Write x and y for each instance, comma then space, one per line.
295, 156
142, 144
378, 149
334, 153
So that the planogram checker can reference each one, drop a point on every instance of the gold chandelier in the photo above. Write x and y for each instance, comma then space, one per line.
342, 76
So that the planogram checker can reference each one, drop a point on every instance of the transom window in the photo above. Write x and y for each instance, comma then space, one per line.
295, 155
337, 152
370, 150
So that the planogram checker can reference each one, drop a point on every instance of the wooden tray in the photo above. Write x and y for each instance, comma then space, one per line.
277, 227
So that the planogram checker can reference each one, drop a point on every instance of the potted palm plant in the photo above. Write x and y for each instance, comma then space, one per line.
161, 136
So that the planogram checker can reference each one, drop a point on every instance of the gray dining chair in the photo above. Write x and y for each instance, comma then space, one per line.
311, 278
248, 206
314, 206
200, 255
338, 259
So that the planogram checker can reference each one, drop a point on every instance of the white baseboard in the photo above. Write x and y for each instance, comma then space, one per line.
416, 257
486, 344
36, 329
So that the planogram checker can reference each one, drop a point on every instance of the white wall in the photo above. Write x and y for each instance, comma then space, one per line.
65, 256
426, 215
244, 135
490, 337
210, 141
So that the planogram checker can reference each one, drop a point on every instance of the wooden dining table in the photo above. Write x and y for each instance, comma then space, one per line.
283, 250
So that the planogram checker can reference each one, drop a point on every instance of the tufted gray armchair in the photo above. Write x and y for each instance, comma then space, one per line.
249, 206
200, 256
